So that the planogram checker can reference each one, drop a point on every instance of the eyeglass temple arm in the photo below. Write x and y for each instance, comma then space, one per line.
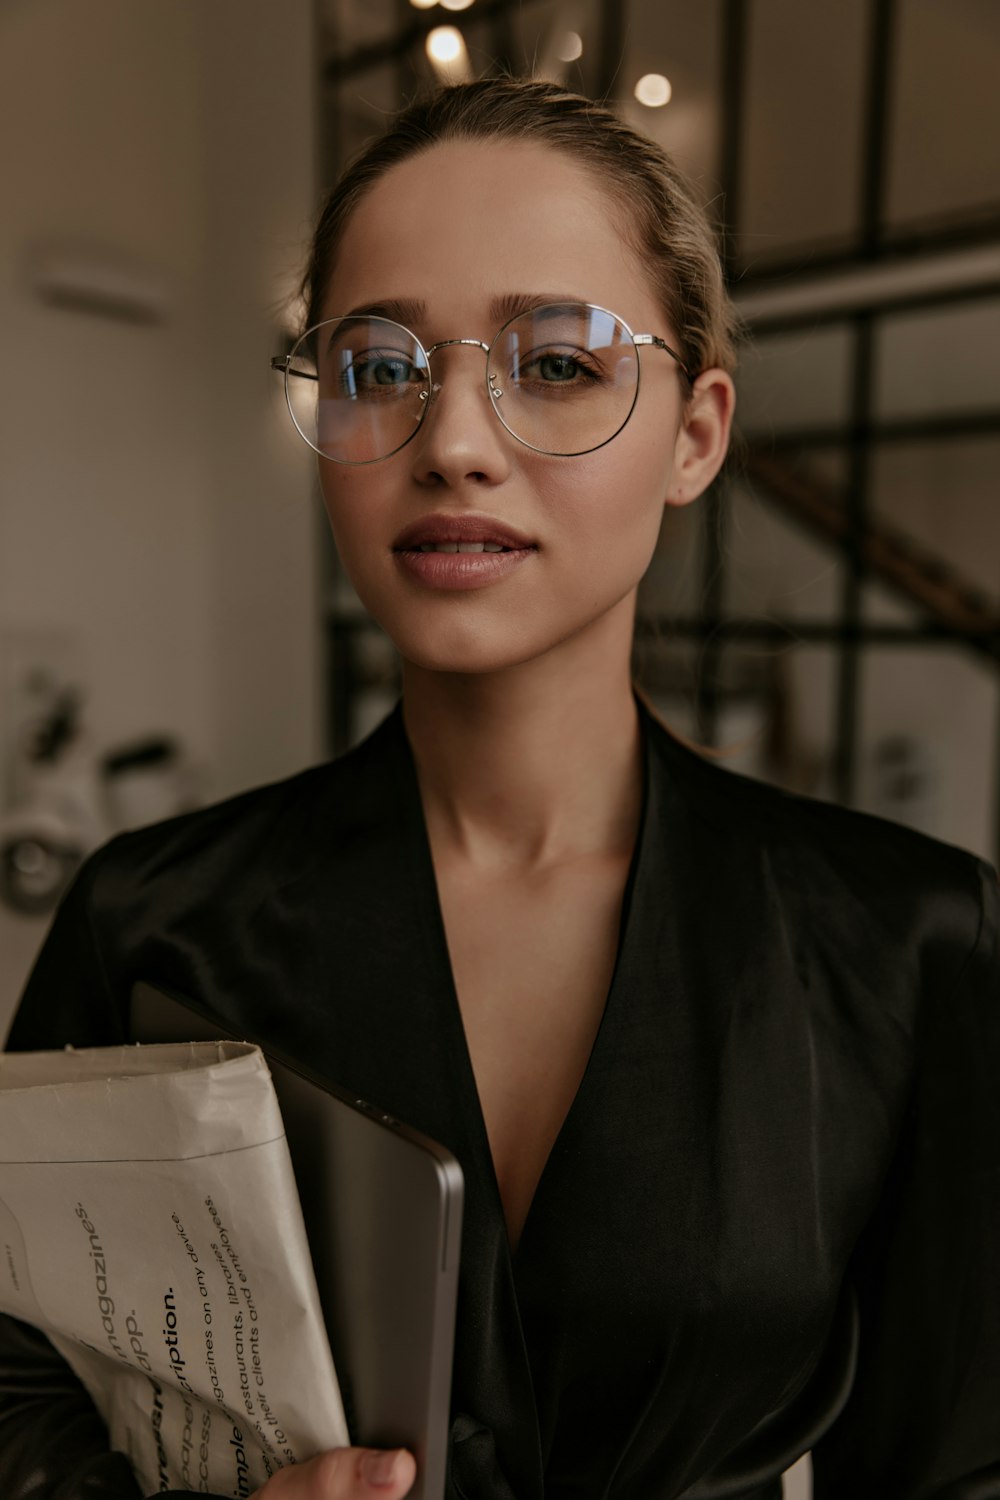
280, 363
658, 343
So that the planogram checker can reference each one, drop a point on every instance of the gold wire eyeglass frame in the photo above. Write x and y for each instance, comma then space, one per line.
283, 364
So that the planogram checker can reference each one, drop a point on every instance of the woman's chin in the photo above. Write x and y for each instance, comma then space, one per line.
466, 653
504, 644
471, 662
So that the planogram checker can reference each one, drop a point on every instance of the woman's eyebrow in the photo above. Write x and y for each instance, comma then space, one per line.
511, 303
411, 312
403, 310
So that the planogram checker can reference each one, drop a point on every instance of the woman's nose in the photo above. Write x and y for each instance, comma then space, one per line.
461, 437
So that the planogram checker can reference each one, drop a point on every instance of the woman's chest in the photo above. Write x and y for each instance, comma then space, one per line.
532, 962
696, 1217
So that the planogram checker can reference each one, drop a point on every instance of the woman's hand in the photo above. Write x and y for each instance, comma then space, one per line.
345, 1474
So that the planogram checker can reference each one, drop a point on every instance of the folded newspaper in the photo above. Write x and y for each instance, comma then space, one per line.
150, 1225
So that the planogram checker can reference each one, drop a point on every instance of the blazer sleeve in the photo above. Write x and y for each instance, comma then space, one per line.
923, 1418
53, 1443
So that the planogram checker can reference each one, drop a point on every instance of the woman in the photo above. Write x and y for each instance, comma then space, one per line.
716, 1061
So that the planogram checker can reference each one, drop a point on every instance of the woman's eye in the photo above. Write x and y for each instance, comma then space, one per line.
556, 367
377, 374
384, 370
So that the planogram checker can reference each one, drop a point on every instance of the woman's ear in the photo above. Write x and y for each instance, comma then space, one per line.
703, 438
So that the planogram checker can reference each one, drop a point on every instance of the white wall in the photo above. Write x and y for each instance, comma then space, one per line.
152, 505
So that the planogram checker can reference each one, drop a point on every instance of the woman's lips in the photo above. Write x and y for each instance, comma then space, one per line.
461, 550
461, 570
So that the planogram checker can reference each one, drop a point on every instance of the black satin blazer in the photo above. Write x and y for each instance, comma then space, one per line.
771, 1221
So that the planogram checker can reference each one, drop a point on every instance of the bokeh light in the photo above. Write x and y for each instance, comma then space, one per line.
571, 47
653, 90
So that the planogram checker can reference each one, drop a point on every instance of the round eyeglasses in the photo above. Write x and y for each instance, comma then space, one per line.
563, 379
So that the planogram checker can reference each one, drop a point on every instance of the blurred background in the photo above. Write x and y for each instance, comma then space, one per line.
173, 625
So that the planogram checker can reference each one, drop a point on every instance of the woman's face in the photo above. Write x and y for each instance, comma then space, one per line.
451, 232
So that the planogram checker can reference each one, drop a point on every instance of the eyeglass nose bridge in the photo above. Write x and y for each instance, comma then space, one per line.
446, 343
449, 343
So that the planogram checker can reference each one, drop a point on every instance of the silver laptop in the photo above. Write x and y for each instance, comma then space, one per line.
383, 1211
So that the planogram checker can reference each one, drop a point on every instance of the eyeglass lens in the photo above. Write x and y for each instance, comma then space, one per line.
562, 379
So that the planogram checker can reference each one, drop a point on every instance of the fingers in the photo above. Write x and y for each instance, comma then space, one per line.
345, 1474
392, 1473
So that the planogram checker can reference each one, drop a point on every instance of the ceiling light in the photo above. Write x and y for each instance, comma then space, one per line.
456, 4
571, 47
423, 4
653, 90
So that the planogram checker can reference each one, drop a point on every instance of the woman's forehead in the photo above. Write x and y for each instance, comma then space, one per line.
466, 221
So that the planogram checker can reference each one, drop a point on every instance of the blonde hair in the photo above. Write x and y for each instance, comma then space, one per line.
661, 220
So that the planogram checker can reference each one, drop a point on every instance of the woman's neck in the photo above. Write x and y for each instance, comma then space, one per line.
528, 767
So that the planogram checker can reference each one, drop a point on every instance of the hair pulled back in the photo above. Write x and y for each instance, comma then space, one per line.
661, 221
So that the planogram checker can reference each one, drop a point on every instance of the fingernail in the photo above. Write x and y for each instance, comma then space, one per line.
379, 1468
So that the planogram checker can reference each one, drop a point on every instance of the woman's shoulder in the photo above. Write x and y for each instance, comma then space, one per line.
180, 897
236, 850
820, 857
